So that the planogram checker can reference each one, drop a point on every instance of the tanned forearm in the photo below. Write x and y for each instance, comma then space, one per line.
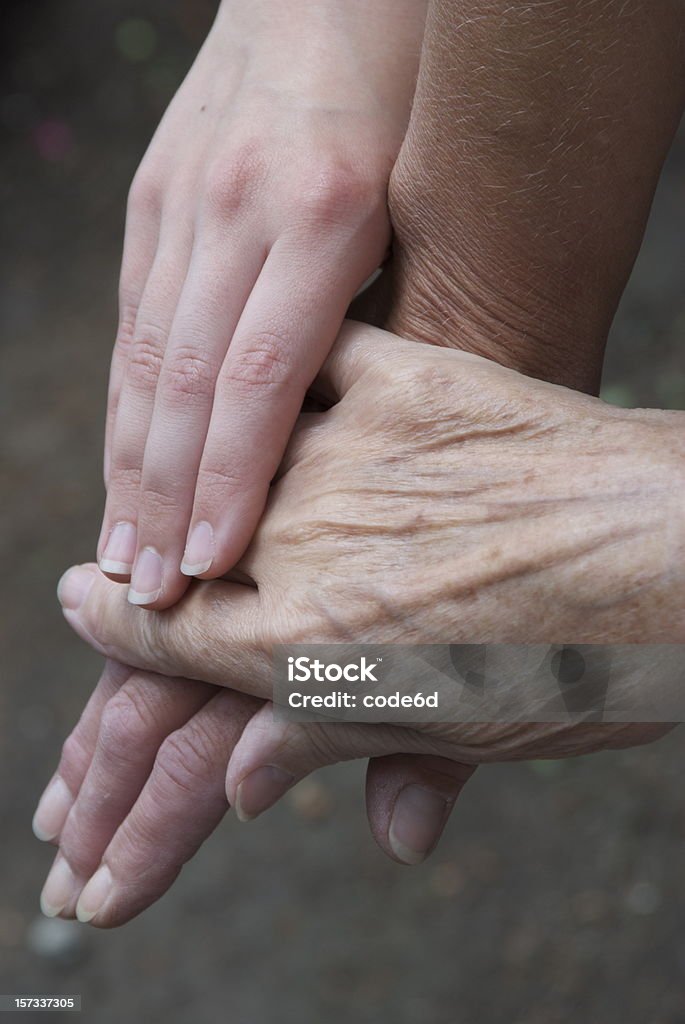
522, 190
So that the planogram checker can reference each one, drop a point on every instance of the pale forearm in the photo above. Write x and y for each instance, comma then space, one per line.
522, 189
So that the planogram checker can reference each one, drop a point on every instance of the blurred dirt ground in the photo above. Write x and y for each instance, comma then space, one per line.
558, 892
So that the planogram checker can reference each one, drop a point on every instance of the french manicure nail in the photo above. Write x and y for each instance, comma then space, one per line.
146, 581
59, 888
120, 550
199, 552
95, 894
260, 789
417, 821
73, 587
53, 808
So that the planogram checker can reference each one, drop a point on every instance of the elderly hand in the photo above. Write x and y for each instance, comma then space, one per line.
142, 783
438, 495
441, 498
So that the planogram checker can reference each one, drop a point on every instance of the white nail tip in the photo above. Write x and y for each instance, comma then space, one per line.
135, 598
403, 853
240, 814
48, 910
197, 569
84, 916
117, 568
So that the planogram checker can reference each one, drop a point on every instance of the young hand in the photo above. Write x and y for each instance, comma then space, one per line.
257, 213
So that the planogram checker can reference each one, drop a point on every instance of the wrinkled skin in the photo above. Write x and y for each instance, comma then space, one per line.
442, 498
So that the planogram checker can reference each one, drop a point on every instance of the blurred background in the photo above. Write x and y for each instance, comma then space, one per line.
558, 892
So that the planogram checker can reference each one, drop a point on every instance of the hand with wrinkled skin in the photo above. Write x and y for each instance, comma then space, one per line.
454, 278
158, 747
440, 492
462, 492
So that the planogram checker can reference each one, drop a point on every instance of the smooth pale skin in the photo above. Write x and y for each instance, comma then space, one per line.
257, 213
441, 498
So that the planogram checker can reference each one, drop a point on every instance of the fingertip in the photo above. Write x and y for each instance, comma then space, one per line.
95, 895
416, 824
74, 585
118, 554
260, 789
200, 550
142, 599
115, 576
196, 569
409, 799
147, 578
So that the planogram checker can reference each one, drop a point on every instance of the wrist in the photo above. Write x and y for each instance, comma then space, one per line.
345, 52
459, 294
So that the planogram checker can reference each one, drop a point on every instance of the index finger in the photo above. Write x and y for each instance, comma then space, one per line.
285, 333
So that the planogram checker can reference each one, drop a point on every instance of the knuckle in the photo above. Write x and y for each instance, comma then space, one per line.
315, 746
145, 193
128, 311
231, 183
124, 480
414, 391
159, 496
186, 757
166, 639
340, 192
215, 482
74, 758
145, 359
126, 722
189, 375
431, 388
264, 364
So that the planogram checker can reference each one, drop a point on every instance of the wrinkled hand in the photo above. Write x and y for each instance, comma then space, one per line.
141, 784
442, 498
258, 211
440, 494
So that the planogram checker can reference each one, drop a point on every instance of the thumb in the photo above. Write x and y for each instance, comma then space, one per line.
358, 349
409, 798
215, 633
273, 754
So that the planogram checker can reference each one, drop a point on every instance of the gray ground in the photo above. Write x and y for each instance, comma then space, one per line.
557, 894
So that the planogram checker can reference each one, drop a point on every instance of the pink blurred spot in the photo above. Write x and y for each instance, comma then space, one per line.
53, 139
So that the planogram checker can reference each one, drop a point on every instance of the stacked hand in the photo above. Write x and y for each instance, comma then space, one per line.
439, 499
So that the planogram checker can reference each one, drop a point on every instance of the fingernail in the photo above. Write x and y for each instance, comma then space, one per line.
59, 888
120, 550
73, 588
260, 789
94, 895
146, 581
199, 552
53, 808
417, 820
